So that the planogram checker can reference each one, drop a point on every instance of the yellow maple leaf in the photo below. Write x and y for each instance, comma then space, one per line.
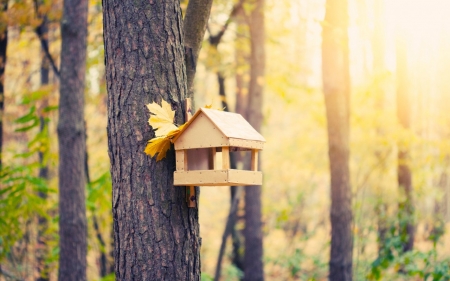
161, 118
158, 146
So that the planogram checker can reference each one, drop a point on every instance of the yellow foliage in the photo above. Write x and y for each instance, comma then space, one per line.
158, 146
161, 119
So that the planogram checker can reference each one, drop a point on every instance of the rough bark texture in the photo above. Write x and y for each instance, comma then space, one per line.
406, 206
336, 87
156, 234
195, 21
253, 265
72, 209
3, 45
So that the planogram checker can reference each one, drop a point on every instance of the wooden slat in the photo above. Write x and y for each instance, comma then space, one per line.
181, 163
217, 178
225, 158
254, 161
212, 158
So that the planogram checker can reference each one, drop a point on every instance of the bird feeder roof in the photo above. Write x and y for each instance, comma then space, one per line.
232, 126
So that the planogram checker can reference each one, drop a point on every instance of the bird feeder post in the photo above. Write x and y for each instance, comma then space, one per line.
254, 161
190, 190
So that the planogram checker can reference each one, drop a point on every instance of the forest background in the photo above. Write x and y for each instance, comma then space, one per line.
295, 198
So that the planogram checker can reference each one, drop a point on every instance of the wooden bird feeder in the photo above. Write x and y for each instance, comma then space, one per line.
207, 133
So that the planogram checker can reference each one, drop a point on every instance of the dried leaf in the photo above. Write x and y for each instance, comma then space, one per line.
161, 118
158, 146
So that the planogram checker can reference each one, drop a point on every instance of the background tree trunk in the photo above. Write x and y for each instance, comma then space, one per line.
406, 206
379, 69
3, 45
195, 21
253, 265
336, 87
156, 234
71, 135
42, 268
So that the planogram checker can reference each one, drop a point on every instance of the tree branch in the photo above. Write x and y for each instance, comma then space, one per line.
41, 32
197, 15
44, 45
214, 40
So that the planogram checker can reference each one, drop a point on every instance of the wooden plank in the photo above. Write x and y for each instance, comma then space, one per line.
188, 109
212, 158
190, 190
233, 125
190, 196
254, 161
201, 133
246, 143
179, 156
240, 177
217, 178
225, 158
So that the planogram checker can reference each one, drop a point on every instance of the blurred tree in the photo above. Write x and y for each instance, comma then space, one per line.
72, 142
253, 264
336, 88
42, 268
378, 51
156, 234
406, 205
3, 46
230, 225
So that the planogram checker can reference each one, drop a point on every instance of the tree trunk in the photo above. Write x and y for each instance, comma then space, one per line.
72, 209
42, 268
3, 45
336, 87
156, 234
378, 39
253, 265
406, 206
195, 21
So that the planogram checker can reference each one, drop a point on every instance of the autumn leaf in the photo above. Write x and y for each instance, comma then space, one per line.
158, 146
161, 118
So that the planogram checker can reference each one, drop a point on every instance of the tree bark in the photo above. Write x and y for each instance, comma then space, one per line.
406, 205
3, 46
156, 234
336, 87
195, 21
253, 265
71, 134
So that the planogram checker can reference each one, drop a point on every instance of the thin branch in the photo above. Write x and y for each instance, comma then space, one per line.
44, 43
215, 39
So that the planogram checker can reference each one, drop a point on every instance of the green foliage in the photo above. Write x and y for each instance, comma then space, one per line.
393, 263
20, 200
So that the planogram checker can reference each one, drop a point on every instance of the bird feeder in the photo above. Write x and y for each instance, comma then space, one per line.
210, 132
